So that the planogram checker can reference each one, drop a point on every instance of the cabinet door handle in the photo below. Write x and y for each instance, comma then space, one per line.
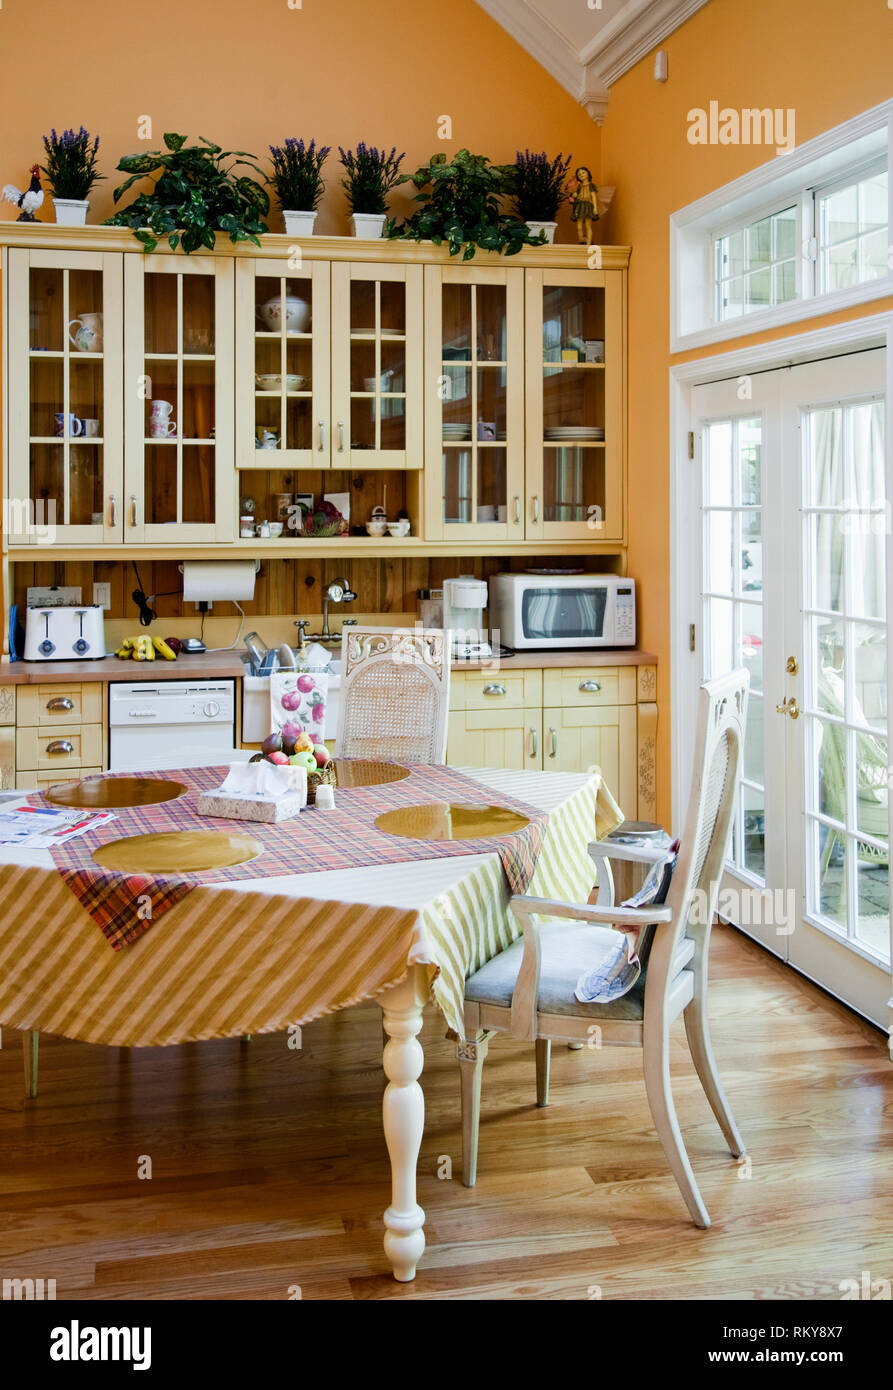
133, 509
494, 689
341, 436
59, 702
535, 502
534, 742
590, 687
60, 745
517, 502
554, 734
113, 510
322, 435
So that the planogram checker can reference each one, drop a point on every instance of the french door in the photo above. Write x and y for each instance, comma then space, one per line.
790, 580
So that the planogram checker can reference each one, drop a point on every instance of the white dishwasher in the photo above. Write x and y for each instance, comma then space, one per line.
170, 724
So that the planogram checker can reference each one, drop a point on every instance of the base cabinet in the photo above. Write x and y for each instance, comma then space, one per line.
496, 738
577, 738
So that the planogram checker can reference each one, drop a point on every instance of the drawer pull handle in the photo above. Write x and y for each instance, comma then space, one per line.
590, 687
494, 689
133, 509
60, 745
59, 702
535, 501
517, 511
113, 510
322, 435
341, 436
534, 743
554, 734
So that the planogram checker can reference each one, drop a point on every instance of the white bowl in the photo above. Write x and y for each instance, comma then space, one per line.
399, 528
275, 528
272, 381
296, 312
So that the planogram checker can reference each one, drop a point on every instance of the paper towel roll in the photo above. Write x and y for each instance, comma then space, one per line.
216, 580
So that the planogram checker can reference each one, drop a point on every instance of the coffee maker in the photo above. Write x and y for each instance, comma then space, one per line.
464, 600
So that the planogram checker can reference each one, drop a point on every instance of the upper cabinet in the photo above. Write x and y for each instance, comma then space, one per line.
137, 386
575, 387
64, 403
178, 402
329, 365
474, 403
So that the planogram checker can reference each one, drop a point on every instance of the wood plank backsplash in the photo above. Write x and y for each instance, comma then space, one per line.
284, 586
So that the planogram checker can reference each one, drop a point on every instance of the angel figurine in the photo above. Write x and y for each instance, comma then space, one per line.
590, 203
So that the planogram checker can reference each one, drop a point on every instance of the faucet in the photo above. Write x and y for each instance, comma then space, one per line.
339, 591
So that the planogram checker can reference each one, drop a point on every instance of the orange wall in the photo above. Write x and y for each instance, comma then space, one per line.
828, 63
249, 74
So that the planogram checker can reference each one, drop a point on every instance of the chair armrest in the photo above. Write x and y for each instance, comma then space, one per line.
524, 906
634, 854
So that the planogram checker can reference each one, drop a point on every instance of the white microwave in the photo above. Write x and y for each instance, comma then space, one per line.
567, 610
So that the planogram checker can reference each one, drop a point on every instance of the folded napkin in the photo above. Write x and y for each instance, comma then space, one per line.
269, 780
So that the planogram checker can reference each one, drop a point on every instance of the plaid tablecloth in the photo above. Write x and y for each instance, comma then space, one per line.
126, 905
256, 955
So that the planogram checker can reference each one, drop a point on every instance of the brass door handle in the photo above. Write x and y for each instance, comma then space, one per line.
494, 689
789, 707
60, 745
59, 702
554, 734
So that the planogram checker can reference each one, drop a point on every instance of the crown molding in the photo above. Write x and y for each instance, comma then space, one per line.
588, 73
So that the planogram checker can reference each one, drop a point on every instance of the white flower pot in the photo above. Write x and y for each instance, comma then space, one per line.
298, 223
367, 224
71, 212
547, 227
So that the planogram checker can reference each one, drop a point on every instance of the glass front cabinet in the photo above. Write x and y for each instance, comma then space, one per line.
575, 392
65, 397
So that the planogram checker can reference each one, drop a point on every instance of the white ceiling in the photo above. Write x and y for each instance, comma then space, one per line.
586, 49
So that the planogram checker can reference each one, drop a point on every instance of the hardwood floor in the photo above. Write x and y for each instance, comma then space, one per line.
269, 1168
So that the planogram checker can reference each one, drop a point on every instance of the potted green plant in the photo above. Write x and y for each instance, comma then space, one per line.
371, 174
538, 190
195, 196
297, 179
71, 172
459, 204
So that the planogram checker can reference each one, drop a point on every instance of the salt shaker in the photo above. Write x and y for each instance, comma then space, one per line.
325, 797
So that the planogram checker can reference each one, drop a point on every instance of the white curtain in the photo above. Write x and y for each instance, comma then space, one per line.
847, 466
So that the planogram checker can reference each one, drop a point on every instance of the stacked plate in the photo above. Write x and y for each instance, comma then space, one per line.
453, 431
569, 434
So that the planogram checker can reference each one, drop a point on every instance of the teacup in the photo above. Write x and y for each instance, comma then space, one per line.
160, 428
91, 429
275, 528
399, 528
75, 426
88, 337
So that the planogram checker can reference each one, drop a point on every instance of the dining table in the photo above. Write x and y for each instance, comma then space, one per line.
264, 952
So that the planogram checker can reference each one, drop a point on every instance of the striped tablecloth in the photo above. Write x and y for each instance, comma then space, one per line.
254, 956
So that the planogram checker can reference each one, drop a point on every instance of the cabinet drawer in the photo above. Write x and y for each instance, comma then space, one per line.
41, 706
39, 750
496, 689
27, 780
590, 685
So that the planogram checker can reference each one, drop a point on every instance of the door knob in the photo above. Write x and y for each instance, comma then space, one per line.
792, 666
789, 707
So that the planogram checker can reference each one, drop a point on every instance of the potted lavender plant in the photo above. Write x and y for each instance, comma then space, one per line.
297, 179
71, 173
538, 188
371, 174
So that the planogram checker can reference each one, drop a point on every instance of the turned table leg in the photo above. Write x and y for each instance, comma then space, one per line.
403, 1112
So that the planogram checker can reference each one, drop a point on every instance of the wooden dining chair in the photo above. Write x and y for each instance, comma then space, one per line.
395, 694
528, 989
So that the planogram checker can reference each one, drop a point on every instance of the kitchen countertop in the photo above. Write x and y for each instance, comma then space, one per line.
220, 665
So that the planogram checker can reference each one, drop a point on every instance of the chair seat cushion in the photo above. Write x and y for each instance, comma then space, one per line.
568, 950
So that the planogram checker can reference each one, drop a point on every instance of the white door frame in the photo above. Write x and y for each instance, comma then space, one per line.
853, 336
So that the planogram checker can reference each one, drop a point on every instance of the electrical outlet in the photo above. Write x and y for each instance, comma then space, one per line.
102, 595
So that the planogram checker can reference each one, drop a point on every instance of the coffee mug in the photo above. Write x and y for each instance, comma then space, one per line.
486, 429
88, 337
487, 513
162, 429
161, 410
75, 426
91, 429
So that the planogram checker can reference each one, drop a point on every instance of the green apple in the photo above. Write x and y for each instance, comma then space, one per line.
303, 759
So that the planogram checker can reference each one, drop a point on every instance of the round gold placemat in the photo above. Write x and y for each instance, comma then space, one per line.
178, 851
108, 793
451, 820
367, 772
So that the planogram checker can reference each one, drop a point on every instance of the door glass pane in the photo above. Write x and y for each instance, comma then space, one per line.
47, 309
473, 391
377, 366
574, 486
845, 675
283, 362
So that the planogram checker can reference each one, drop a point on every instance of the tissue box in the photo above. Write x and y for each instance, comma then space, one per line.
236, 806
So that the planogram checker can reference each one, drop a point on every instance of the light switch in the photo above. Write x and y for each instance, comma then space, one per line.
102, 595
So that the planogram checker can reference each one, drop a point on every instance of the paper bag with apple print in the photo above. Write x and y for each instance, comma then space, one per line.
298, 703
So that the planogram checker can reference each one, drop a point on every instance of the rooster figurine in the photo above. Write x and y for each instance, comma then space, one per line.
30, 200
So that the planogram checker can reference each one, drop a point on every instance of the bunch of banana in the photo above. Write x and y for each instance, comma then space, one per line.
143, 648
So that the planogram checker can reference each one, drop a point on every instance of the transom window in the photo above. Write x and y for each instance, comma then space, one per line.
851, 223
756, 266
